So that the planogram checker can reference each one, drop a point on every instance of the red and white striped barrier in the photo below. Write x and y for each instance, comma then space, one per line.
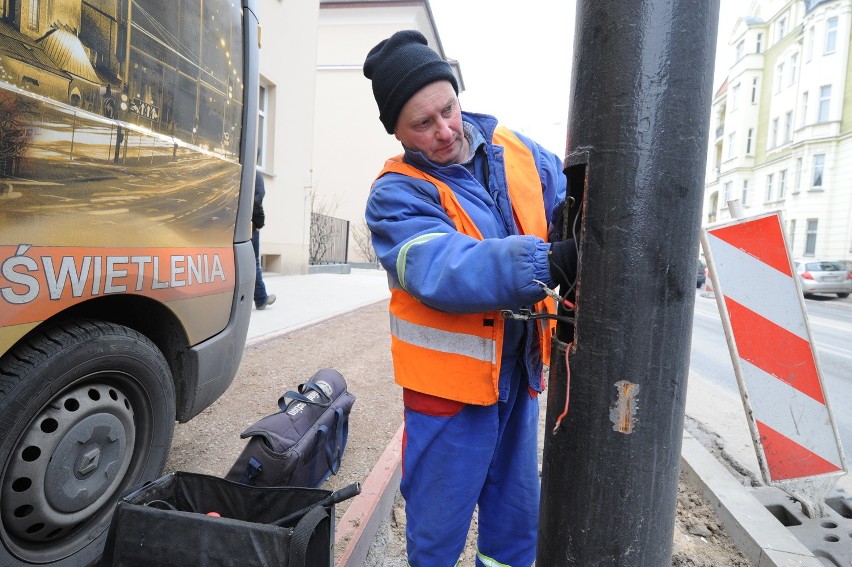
765, 319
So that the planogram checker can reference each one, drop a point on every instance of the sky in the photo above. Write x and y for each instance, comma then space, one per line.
516, 59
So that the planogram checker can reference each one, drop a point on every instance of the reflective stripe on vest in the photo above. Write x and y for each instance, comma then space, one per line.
455, 356
478, 348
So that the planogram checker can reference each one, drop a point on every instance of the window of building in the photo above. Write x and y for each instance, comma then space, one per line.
754, 90
728, 188
805, 108
810, 237
740, 50
794, 61
788, 127
770, 179
798, 181
732, 137
819, 166
810, 47
748, 140
33, 19
779, 77
735, 96
782, 183
263, 132
773, 140
744, 197
831, 35
791, 234
759, 43
824, 103
781, 29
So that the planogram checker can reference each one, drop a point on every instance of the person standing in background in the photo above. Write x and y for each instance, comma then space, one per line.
262, 300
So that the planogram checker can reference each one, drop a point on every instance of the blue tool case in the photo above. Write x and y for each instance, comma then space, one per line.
303, 443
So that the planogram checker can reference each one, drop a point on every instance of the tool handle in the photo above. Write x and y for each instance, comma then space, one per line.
337, 496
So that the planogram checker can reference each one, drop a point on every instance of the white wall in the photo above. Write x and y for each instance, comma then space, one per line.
288, 67
350, 144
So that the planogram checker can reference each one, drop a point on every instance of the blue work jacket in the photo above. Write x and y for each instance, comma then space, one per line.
456, 273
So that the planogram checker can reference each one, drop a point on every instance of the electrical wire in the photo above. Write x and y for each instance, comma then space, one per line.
570, 307
567, 391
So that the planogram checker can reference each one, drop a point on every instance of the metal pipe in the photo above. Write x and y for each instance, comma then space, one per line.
637, 149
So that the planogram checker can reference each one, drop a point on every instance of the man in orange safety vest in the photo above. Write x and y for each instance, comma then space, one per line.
460, 223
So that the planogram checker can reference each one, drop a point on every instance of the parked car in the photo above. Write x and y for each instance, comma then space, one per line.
702, 273
823, 276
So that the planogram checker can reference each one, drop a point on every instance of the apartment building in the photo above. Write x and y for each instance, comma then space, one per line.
781, 124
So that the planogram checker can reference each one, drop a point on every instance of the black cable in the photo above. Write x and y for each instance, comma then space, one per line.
161, 505
577, 247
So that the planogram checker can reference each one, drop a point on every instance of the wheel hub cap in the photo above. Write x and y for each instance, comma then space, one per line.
68, 463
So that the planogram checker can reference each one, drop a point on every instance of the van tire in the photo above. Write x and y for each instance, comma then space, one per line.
87, 411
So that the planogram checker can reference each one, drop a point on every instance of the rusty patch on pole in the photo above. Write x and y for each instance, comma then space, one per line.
623, 411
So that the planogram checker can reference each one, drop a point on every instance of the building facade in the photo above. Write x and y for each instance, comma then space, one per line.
350, 144
285, 130
320, 140
781, 124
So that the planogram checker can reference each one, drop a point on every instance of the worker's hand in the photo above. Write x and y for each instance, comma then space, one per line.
557, 219
563, 263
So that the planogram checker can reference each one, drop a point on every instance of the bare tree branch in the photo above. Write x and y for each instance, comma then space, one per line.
322, 226
364, 242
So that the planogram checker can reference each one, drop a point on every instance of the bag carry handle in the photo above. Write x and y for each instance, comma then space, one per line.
301, 536
300, 397
332, 452
338, 495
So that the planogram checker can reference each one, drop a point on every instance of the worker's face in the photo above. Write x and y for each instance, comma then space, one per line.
430, 122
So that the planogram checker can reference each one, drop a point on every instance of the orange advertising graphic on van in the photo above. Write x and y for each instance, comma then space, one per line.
38, 282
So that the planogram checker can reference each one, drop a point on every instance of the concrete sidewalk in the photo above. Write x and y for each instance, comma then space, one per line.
303, 301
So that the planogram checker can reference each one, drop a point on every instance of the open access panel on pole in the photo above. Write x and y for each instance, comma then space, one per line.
765, 321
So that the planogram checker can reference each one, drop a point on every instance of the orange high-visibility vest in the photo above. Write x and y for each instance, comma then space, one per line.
454, 356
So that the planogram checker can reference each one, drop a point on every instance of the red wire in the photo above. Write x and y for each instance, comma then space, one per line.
567, 389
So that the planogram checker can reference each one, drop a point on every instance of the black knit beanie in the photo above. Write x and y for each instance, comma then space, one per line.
399, 66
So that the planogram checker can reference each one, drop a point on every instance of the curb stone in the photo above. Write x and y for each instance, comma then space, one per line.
360, 523
753, 529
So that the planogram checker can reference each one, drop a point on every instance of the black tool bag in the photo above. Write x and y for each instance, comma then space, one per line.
302, 444
194, 520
